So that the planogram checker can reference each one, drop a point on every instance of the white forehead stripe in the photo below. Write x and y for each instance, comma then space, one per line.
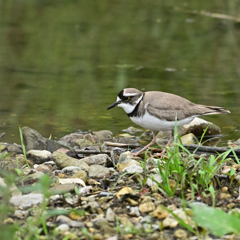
130, 94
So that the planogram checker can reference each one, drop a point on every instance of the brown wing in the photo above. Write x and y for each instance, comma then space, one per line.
167, 105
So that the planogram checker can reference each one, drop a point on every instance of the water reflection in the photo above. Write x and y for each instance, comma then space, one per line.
63, 62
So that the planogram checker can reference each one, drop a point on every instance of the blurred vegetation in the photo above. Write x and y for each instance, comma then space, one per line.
63, 62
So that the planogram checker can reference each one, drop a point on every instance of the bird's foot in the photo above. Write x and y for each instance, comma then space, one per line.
161, 154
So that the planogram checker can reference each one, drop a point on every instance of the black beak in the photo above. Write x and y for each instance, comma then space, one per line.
113, 105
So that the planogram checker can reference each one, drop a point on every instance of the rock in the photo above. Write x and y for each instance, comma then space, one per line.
33, 140
83, 143
105, 227
189, 139
72, 180
123, 191
53, 146
134, 212
44, 168
14, 148
197, 126
133, 168
99, 159
146, 205
72, 137
81, 174
71, 169
62, 161
27, 200
21, 214
39, 156
125, 160
104, 135
160, 212
61, 219
98, 171
32, 177
110, 215
76, 224
126, 222
62, 228
180, 234
151, 183
63, 188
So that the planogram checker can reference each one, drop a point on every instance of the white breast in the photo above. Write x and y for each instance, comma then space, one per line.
153, 123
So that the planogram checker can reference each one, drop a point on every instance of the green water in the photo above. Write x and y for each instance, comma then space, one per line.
62, 63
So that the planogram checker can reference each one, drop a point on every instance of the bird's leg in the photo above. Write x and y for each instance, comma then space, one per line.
164, 150
150, 144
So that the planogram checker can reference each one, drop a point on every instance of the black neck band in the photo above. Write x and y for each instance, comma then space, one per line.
134, 113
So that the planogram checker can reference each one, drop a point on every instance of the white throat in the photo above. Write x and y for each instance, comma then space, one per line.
127, 107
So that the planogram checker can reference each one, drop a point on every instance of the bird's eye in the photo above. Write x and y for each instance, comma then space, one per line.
126, 99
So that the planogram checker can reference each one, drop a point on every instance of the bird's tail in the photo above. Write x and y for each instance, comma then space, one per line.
210, 110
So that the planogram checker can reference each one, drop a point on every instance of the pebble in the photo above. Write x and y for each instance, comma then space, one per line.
27, 200
180, 234
81, 174
152, 184
133, 168
146, 205
123, 191
160, 212
110, 215
63, 188
98, 171
62, 219
70, 169
20, 214
125, 160
134, 212
99, 159
62, 228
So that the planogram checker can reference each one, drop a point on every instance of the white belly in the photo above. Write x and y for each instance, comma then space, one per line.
150, 122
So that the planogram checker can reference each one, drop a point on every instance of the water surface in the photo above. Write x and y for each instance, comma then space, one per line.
62, 63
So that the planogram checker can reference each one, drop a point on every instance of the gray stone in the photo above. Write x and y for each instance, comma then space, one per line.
55, 145
21, 214
39, 156
104, 135
134, 168
72, 137
27, 201
189, 139
81, 174
61, 219
98, 171
62, 228
110, 215
62, 161
70, 169
76, 224
33, 140
151, 183
134, 212
99, 159
33, 177
63, 188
